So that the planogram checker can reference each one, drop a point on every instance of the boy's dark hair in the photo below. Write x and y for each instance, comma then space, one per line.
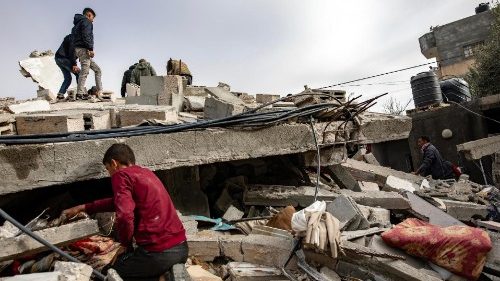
121, 153
88, 10
425, 138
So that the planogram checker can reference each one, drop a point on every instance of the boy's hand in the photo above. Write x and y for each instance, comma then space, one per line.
75, 69
71, 212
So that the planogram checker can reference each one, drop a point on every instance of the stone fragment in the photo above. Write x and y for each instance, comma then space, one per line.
243, 271
23, 245
215, 108
44, 71
266, 98
46, 94
477, 149
180, 273
491, 225
137, 115
190, 225
197, 273
194, 103
195, 91
378, 244
29, 106
232, 213
348, 213
224, 95
380, 215
204, 247
370, 159
231, 247
97, 120
132, 90
396, 184
330, 274
168, 90
45, 276
43, 123
368, 186
266, 250
74, 271
343, 178
465, 211
428, 211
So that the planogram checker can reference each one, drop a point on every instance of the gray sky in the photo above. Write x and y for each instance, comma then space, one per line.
258, 46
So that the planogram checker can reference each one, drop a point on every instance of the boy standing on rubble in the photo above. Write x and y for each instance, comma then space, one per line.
144, 211
83, 40
66, 60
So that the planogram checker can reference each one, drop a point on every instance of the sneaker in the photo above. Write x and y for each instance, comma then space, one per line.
60, 96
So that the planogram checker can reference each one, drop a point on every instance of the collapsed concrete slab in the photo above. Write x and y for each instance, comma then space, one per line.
29, 106
23, 245
44, 71
477, 149
137, 115
49, 123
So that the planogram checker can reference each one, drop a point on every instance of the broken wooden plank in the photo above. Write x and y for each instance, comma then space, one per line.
23, 245
477, 149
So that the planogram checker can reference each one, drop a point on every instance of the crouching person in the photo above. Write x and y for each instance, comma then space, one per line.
144, 212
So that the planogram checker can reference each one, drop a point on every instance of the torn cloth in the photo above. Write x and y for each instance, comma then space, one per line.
460, 249
323, 230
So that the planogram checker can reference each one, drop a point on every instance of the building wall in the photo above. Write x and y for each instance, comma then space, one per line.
394, 154
447, 42
457, 69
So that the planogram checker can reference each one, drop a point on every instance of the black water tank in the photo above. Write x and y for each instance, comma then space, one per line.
483, 7
425, 89
455, 89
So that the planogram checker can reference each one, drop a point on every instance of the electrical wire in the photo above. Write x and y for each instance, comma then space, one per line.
318, 156
387, 73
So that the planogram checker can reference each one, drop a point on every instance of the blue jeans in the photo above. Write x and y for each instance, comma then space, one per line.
66, 67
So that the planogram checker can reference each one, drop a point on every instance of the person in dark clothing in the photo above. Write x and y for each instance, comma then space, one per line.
144, 212
433, 164
126, 79
66, 60
83, 39
143, 68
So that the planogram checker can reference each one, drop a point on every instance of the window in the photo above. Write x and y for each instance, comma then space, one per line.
471, 48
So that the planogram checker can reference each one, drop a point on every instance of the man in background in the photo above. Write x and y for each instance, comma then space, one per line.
143, 68
127, 75
433, 164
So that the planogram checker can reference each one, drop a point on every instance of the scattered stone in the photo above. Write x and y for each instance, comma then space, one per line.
396, 184
370, 159
47, 95
132, 90
243, 271
215, 108
368, 186
426, 211
348, 213
266, 250
266, 98
23, 245
44, 71
74, 271
43, 123
29, 106
194, 103
197, 273
343, 178
137, 115
180, 273
465, 211
232, 213
168, 90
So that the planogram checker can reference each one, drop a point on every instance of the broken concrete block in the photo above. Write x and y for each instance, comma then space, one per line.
23, 245
491, 225
477, 149
243, 271
43, 123
46, 94
215, 108
142, 100
195, 91
224, 95
348, 213
368, 186
230, 246
232, 213
380, 215
271, 231
44, 71
29, 106
167, 89
74, 271
465, 211
266, 250
396, 184
194, 103
204, 247
197, 273
132, 90
137, 115
343, 178
190, 225
329, 274
426, 210
45, 276
378, 244
97, 120
266, 98
370, 159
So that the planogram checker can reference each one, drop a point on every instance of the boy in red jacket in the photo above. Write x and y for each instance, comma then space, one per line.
144, 211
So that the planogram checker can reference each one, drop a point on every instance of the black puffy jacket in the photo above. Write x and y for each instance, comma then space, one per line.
67, 50
83, 32
433, 164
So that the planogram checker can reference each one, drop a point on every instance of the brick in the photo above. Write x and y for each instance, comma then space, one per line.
49, 123
167, 89
266, 98
136, 115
